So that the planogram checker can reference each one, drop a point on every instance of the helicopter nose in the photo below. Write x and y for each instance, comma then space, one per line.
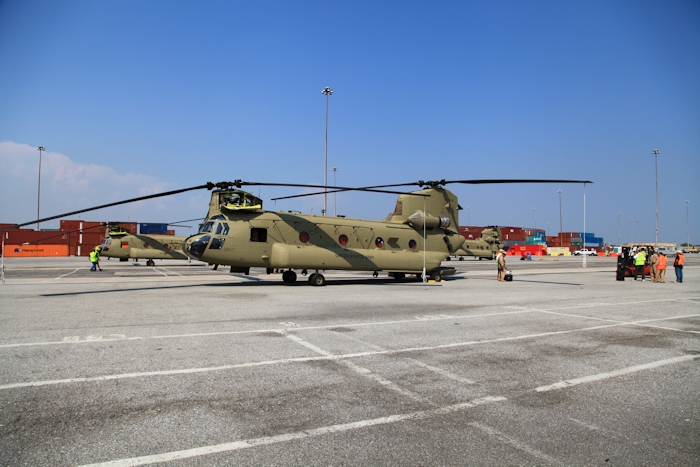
195, 247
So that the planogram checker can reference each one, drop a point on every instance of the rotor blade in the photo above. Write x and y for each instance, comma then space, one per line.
338, 188
497, 180
141, 198
422, 183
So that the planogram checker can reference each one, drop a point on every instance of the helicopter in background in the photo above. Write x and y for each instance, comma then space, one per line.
484, 247
122, 244
413, 239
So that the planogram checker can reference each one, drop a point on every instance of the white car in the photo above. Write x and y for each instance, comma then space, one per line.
584, 251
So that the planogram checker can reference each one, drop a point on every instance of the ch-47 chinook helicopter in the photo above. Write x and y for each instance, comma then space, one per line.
122, 244
414, 239
483, 247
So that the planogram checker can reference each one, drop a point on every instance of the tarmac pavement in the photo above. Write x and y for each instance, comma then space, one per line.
183, 365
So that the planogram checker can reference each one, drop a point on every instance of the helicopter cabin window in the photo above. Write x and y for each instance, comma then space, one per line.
258, 235
216, 243
125, 244
304, 237
343, 239
379, 242
206, 228
222, 228
412, 244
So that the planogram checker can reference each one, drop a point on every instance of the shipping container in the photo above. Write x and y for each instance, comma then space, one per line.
153, 229
21, 236
520, 250
36, 250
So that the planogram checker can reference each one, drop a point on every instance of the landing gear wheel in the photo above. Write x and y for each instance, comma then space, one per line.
150, 262
289, 276
399, 276
317, 279
435, 276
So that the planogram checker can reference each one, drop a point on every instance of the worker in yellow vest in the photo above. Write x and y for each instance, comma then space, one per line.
95, 259
639, 260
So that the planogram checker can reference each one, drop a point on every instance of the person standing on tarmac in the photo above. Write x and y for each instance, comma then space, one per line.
678, 266
653, 262
639, 259
95, 259
661, 268
501, 262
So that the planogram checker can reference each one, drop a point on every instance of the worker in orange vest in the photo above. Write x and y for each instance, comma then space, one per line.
661, 268
678, 266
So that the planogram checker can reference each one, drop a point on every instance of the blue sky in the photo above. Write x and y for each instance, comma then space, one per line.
132, 97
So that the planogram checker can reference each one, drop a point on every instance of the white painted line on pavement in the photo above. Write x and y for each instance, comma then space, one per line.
312, 433
613, 374
361, 371
442, 372
296, 360
56, 278
516, 444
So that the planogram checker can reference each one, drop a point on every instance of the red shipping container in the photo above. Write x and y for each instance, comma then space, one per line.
534, 250
36, 250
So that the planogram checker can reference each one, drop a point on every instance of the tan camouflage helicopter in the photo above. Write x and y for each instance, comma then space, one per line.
484, 247
122, 244
412, 240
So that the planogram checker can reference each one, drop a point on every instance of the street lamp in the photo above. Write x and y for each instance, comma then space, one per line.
631, 230
468, 211
335, 196
328, 92
687, 226
38, 196
637, 230
560, 224
533, 218
510, 221
656, 152
618, 229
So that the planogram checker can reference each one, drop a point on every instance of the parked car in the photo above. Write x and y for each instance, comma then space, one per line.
584, 251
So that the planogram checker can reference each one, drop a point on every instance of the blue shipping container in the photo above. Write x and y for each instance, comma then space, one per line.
147, 229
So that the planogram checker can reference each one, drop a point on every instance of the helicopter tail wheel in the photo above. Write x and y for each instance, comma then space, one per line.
375, 274
289, 276
317, 279
150, 262
304, 272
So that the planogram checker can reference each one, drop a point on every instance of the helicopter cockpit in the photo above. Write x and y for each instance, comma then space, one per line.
239, 200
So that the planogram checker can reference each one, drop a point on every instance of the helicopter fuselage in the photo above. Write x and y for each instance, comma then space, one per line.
296, 241
135, 246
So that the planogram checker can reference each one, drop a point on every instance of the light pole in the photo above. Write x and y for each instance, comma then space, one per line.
335, 196
38, 196
687, 226
510, 221
328, 92
560, 223
656, 153
618, 229
468, 211
533, 218
637, 230
631, 230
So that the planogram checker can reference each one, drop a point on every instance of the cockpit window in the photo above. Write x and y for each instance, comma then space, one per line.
225, 228
219, 228
206, 227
